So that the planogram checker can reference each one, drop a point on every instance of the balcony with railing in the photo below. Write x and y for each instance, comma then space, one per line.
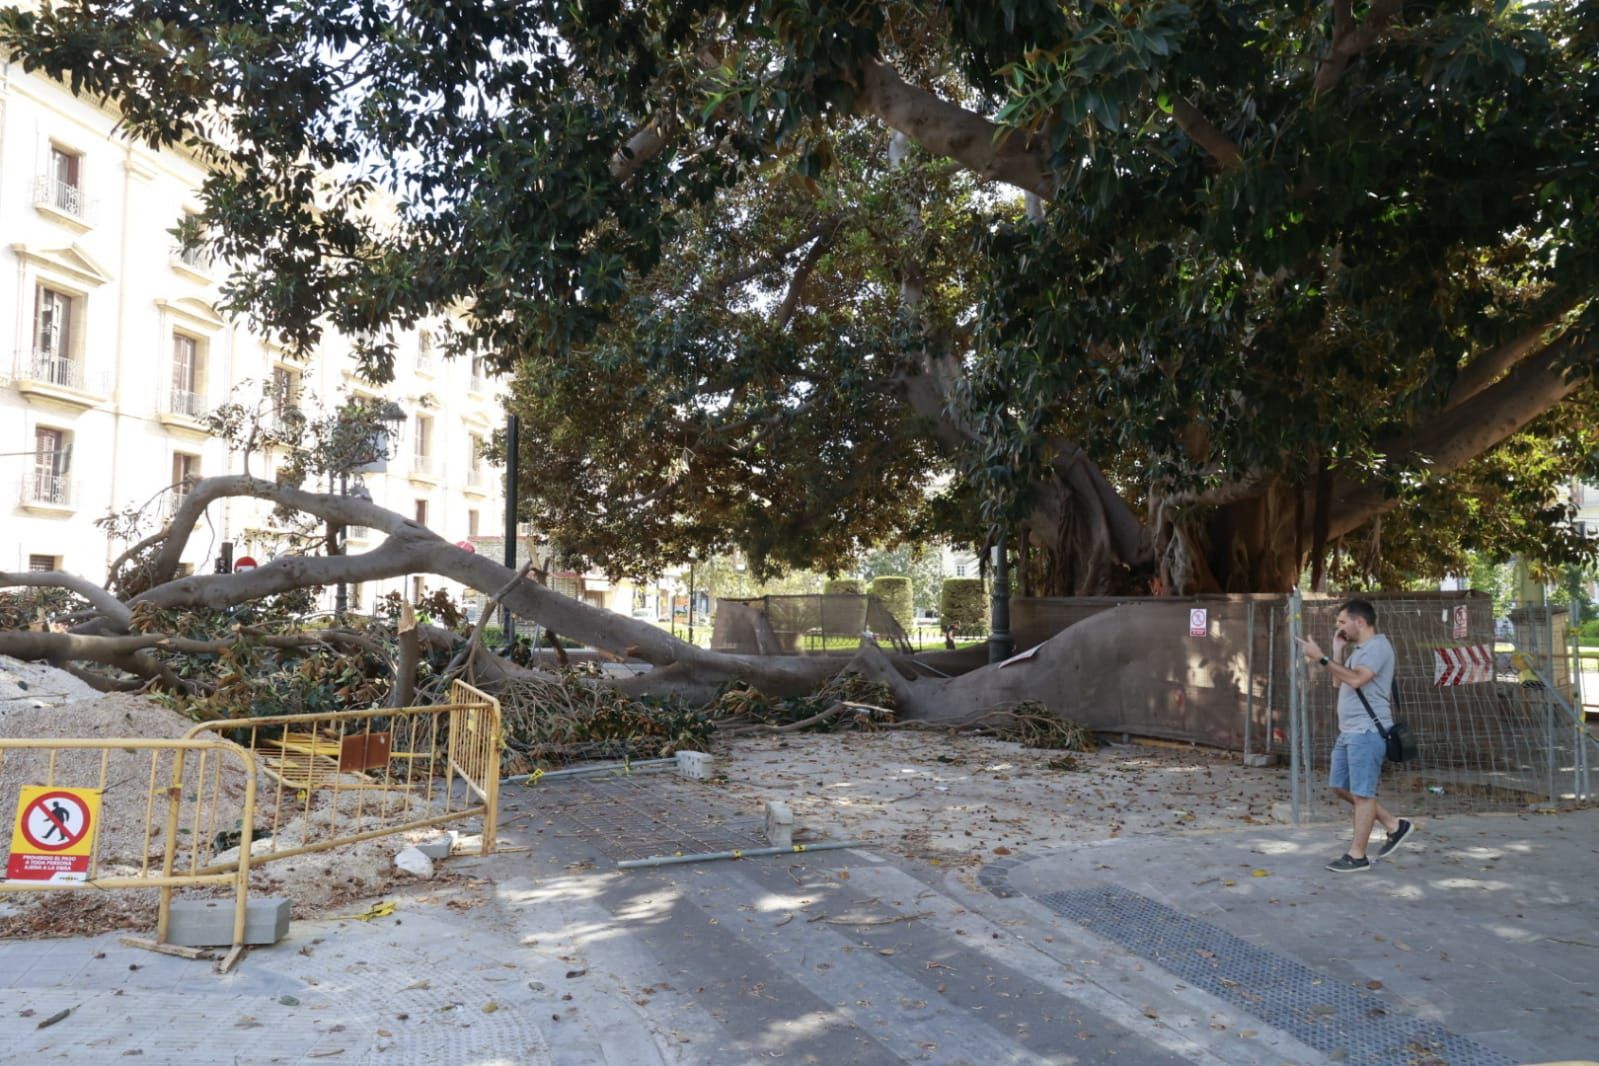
47, 492
62, 200
195, 262
480, 385
184, 410
424, 468
478, 481
53, 376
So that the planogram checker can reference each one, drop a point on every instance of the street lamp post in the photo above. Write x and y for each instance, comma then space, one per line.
693, 557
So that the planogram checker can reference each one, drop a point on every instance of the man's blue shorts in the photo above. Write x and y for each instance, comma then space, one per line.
1357, 761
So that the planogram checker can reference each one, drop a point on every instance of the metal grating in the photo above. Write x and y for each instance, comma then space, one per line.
1344, 1021
642, 816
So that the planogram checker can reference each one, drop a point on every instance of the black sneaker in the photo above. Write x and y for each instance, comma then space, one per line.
1396, 838
1348, 864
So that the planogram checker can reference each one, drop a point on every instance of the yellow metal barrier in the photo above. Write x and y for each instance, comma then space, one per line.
181, 814
347, 776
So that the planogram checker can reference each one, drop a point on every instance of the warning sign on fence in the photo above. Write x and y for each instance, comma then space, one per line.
54, 834
1198, 625
1469, 665
1462, 620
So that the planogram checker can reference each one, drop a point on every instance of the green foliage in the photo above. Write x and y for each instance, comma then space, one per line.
921, 564
961, 603
569, 717
844, 586
715, 351
896, 594
38, 608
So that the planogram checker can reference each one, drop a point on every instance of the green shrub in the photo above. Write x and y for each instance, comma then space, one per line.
844, 586
961, 602
898, 597
1589, 630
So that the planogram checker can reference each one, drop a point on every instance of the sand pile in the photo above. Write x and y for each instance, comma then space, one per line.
318, 883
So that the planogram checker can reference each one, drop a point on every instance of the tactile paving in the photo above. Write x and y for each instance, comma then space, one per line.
1345, 1021
643, 816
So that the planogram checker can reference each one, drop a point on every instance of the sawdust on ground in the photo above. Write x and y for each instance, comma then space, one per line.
965, 799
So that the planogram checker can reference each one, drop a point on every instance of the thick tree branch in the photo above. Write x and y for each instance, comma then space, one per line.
1205, 134
1350, 39
802, 274
645, 144
982, 147
1448, 442
108, 605
1487, 367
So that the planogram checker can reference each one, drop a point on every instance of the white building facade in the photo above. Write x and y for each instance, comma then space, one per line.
116, 352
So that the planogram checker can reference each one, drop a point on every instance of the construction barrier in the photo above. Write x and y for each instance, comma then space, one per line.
348, 776
70, 803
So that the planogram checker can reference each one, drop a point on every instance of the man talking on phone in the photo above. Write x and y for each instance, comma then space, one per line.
1362, 659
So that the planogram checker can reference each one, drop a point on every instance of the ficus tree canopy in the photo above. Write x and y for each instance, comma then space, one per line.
1292, 281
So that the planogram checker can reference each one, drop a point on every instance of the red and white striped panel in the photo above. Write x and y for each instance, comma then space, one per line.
1471, 664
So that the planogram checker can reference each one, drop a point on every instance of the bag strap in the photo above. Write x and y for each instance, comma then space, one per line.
1364, 702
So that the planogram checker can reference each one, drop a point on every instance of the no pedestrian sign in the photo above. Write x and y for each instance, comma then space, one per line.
54, 834
1198, 624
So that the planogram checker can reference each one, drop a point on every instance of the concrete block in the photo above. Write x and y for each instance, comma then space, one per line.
1260, 758
208, 923
694, 765
440, 848
779, 825
413, 861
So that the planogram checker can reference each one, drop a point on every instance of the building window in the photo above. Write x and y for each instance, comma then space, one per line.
471, 523
285, 393
53, 338
52, 460
39, 564
424, 351
417, 588
187, 376
421, 512
62, 187
422, 443
960, 569
480, 375
185, 472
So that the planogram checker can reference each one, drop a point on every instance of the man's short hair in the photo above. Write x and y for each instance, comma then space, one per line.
1361, 609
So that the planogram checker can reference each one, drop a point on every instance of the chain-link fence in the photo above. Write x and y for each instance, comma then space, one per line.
807, 624
1498, 723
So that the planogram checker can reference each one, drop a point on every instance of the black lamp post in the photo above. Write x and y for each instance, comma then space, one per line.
693, 557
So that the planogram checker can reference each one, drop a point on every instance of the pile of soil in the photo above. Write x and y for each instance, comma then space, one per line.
53, 706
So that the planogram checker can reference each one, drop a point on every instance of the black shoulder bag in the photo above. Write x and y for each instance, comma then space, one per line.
1400, 740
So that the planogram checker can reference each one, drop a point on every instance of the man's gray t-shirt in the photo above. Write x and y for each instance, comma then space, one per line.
1376, 655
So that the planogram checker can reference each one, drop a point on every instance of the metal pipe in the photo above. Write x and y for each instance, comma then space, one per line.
1249, 669
1271, 671
1295, 629
578, 771
752, 853
512, 444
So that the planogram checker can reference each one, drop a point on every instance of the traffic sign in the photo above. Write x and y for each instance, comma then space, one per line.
54, 835
243, 563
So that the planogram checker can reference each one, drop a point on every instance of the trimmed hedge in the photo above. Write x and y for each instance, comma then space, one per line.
844, 586
961, 602
897, 596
